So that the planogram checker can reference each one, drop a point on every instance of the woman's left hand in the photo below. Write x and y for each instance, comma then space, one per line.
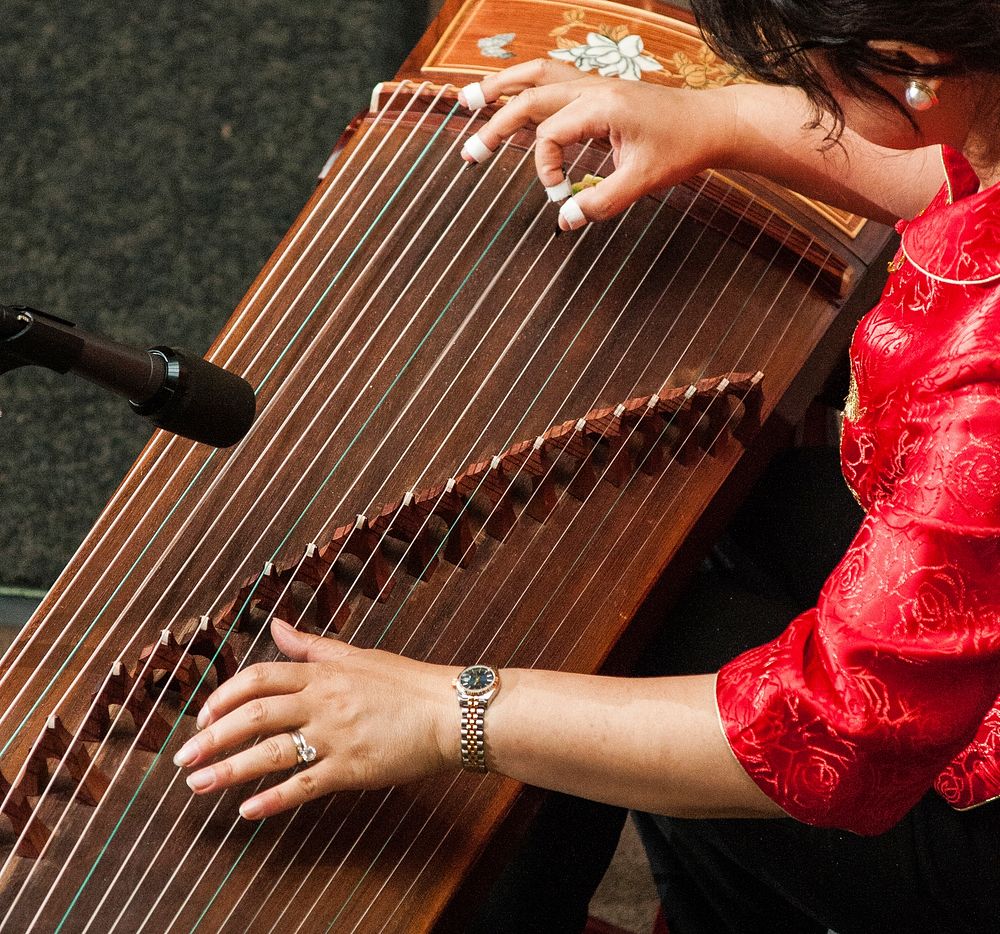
374, 719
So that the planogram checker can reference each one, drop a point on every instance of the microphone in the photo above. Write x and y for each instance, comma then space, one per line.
174, 389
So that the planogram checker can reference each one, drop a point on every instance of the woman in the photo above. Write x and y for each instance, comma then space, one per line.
884, 690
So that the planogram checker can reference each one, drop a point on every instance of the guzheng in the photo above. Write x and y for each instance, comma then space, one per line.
476, 440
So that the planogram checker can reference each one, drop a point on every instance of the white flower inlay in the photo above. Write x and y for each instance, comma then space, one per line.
610, 58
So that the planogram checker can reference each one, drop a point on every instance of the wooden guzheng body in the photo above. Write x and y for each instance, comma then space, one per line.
475, 441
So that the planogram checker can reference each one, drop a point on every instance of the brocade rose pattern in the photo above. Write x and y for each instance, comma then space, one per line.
889, 686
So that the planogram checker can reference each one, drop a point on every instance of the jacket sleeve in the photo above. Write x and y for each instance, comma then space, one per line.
847, 718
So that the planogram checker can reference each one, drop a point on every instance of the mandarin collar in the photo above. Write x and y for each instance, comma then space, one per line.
957, 237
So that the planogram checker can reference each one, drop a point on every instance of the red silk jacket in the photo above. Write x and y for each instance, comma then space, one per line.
890, 685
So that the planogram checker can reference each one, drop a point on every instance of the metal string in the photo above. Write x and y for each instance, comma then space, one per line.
596, 352
387, 435
314, 309
453, 110
147, 773
537, 350
453, 572
8, 666
597, 614
256, 638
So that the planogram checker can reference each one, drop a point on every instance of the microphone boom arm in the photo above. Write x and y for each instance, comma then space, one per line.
175, 390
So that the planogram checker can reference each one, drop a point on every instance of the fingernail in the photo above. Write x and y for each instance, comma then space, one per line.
559, 192
284, 624
475, 149
250, 809
204, 718
199, 781
472, 97
186, 754
570, 212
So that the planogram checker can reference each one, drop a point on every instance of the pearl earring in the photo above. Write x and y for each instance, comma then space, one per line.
920, 96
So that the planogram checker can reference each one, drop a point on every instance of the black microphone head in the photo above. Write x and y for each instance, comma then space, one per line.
200, 400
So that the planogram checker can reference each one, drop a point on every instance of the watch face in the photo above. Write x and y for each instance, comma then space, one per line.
477, 679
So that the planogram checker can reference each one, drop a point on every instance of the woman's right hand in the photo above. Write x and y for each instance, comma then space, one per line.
659, 136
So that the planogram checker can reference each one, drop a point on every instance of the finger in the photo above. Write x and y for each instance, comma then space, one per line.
515, 79
527, 109
263, 680
306, 646
303, 786
609, 197
571, 124
274, 754
624, 186
261, 716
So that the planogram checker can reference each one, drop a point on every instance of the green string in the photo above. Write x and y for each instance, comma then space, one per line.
392, 198
450, 302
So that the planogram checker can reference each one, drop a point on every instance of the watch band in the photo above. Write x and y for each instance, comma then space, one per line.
473, 738
476, 686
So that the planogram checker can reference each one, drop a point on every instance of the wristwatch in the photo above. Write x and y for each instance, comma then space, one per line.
476, 686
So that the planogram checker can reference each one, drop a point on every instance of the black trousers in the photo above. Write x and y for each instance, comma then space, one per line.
936, 871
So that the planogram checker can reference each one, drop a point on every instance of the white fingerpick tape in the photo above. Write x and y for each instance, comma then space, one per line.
476, 149
559, 192
474, 97
570, 212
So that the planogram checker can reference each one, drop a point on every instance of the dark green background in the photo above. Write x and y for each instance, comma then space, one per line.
151, 156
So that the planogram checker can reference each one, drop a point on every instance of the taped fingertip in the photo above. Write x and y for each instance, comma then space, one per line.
559, 192
472, 97
571, 214
475, 149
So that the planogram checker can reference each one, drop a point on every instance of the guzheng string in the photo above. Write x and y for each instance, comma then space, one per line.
374, 500
248, 844
562, 494
579, 512
335, 919
631, 519
486, 291
597, 351
596, 615
731, 416
317, 305
256, 638
40, 696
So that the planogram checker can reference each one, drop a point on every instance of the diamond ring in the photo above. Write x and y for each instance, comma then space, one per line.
304, 752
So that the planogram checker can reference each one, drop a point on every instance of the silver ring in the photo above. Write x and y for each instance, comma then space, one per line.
303, 751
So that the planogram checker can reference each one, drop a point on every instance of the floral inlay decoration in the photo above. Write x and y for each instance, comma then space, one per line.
612, 51
615, 51
496, 46
704, 70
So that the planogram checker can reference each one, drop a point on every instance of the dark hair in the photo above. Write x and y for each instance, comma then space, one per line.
771, 40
